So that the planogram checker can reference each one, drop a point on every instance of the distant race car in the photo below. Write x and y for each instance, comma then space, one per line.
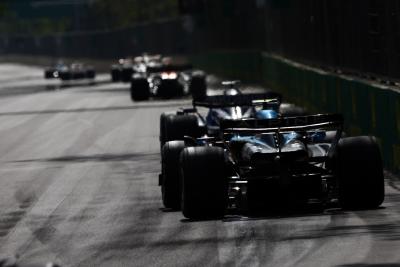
117, 69
77, 71
126, 67
165, 79
273, 165
54, 71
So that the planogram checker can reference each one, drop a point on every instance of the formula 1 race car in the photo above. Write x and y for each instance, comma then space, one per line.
54, 71
278, 164
231, 105
187, 125
166, 80
116, 70
77, 71
126, 67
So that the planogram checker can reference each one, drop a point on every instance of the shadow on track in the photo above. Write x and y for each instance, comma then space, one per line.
261, 216
95, 158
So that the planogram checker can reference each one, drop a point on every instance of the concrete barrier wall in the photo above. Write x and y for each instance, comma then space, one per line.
368, 108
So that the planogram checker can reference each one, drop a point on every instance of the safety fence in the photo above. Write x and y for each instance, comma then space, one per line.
359, 37
166, 37
369, 109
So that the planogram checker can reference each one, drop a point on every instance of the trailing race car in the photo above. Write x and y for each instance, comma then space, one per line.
77, 71
187, 125
54, 71
278, 164
166, 79
231, 105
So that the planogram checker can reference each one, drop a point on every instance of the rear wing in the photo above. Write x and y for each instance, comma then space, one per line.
169, 68
221, 101
283, 124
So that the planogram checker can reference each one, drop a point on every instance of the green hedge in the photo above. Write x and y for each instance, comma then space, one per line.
369, 109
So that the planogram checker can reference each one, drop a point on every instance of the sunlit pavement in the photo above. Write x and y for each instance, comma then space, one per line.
79, 168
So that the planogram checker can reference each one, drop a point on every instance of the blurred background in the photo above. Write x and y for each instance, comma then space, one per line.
353, 36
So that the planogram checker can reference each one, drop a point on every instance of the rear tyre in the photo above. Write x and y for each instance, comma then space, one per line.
176, 127
204, 182
170, 184
360, 173
140, 89
49, 74
198, 86
90, 74
115, 75
126, 74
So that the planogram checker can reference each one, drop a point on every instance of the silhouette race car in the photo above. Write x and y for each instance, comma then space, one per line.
54, 71
279, 164
77, 71
166, 80
126, 67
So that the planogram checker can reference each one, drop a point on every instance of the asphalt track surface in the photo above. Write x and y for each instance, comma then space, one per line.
79, 165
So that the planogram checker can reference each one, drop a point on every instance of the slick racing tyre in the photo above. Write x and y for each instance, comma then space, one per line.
204, 182
49, 74
126, 74
176, 127
140, 89
115, 75
359, 173
198, 86
162, 127
90, 74
170, 184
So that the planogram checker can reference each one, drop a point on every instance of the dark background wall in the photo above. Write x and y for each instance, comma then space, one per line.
358, 36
